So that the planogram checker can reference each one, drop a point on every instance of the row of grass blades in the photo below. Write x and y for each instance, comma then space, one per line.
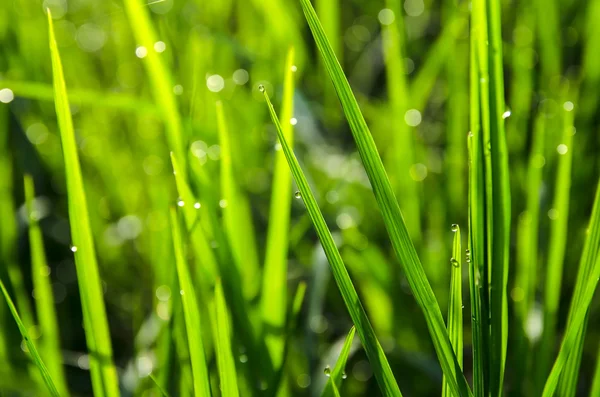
394, 222
102, 369
489, 199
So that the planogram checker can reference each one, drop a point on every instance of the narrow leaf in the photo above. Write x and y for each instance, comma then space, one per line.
191, 314
44, 298
103, 372
338, 373
222, 336
30, 346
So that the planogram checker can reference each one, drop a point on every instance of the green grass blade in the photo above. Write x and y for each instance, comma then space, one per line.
274, 286
237, 215
477, 274
222, 335
34, 353
110, 100
587, 279
207, 267
388, 205
103, 372
337, 374
595, 389
160, 389
44, 298
379, 363
494, 165
523, 292
440, 52
556, 248
455, 306
191, 313
402, 153
160, 78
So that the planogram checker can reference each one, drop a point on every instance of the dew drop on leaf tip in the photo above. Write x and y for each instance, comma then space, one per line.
298, 194
327, 371
454, 227
261, 88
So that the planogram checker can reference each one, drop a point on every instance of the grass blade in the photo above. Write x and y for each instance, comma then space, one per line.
402, 153
379, 363
222, 335
388, 205
34, 353
455, 306
160, 79
587, 279
103, 372
337, 374
274, 286
557, 247
191, 314
237, 216
493, 163
44, 298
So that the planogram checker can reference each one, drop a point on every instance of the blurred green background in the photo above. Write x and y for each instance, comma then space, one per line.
415, 102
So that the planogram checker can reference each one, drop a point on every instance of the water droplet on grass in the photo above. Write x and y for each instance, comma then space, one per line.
180, 202
73, 248
327, 371
261, 88
454, 227
454, 262
344, 375
197, 205
298, 194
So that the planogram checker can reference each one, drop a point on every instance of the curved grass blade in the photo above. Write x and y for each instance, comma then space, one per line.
222, 335
274, 285
585, 286
46, 313
237, 215
103, 372
379, 363
388, 205
337, 374
34, 353
455, 306
191, 313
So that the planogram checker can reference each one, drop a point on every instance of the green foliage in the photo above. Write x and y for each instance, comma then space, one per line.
164, 168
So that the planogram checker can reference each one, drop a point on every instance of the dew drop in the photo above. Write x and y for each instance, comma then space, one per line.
506, 114
73, 248
261, 88
294, 68
298, 194
344, 375
243, 358
454, 227
454, 262
197, 205
327, 371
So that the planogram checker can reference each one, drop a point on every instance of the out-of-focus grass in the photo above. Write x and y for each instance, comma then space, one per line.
142, 80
